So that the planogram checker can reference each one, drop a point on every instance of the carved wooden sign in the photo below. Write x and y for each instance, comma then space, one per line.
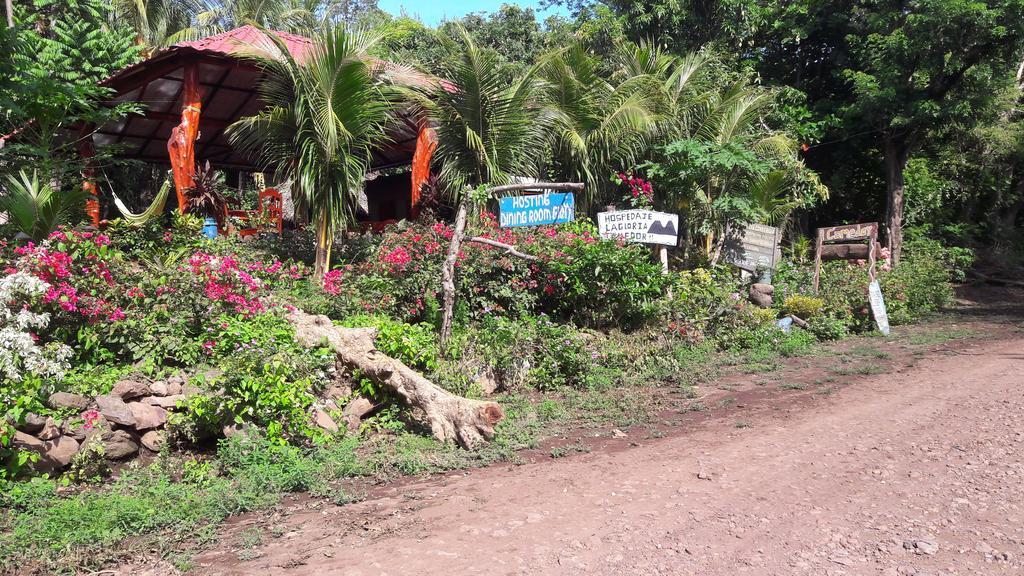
849, 233
847, 242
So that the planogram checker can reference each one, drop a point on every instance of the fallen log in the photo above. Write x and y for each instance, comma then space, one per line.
451, 418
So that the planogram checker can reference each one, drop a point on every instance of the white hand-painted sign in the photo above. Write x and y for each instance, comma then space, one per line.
878, 307
640, 226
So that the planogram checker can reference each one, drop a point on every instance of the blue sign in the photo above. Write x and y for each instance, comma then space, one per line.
537, 210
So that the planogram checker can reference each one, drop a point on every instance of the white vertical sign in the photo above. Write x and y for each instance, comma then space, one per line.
878, 307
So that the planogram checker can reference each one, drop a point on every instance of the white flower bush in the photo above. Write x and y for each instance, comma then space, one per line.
19, 351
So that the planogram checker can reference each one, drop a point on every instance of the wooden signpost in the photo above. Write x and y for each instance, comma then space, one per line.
854, 242
849, 242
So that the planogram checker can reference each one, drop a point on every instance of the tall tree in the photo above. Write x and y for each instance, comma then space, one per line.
59, 53
895, 70
322, 118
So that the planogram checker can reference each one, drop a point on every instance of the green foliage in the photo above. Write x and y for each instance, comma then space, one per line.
413, 344
36, 208
490, 128
531, 352
921, 283
604, 284
804, 307
61, 52
698, 298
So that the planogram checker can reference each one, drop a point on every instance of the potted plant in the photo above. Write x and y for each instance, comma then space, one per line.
206, 198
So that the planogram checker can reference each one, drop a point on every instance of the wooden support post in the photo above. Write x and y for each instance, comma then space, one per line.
182, 145
87, 151
817, 257
426, 143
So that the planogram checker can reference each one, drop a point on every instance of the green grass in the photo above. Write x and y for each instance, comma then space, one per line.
859, 370
942, 336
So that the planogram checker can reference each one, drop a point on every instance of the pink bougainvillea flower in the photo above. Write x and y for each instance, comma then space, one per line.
90, 417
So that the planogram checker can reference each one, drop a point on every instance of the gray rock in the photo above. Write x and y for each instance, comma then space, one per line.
763, 288
54, 454
158, 388
165, 402
50, 431
130, 389
352, 423
60, 451
926, 547
358, 407
337, 391
323, 420
760, 298
115, 410
147, 416
119, 444
488, 383
59, 400
154, 440
173, 387
33, 423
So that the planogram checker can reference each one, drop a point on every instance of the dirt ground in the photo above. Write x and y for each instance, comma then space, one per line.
878, 457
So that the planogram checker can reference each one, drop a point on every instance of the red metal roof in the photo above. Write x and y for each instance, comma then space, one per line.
228, 43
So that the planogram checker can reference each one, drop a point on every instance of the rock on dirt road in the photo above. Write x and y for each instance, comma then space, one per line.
917, 472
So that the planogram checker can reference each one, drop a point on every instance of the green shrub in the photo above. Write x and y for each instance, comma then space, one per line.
921, 284
601, 283
804, 307
827, 327
533, 352
413, 344
699, 298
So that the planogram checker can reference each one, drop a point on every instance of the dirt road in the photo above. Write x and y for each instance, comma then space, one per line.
912, 472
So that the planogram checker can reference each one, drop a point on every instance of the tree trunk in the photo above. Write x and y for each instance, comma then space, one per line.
448, 270
10, 13
323, 250
451, 418
896, 154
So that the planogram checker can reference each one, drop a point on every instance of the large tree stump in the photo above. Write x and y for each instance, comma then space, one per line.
450, 417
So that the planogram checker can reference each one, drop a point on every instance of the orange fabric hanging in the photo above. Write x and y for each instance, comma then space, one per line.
426, 143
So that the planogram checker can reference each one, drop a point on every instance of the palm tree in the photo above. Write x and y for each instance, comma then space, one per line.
36, 208
730, 166
490, 128
322, 118
601, 125
160, 23
157, 23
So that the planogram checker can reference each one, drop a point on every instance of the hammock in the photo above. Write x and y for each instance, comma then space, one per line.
155, 209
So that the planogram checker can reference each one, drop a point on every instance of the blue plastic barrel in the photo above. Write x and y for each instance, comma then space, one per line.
210, 227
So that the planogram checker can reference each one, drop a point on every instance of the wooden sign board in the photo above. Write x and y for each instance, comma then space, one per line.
755, 247
847, 242
849, 233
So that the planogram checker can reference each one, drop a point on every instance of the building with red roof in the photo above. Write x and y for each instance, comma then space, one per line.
192, 91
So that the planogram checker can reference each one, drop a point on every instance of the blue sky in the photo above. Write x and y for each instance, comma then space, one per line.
431, 12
